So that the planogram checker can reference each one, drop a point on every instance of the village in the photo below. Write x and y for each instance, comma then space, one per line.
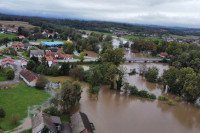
52, 53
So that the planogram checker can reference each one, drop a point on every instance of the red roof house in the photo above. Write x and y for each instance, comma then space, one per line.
29, 77
18, 45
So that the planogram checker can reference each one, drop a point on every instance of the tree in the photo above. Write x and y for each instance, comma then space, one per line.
152, 74
2, 113
82, 54
69, 48
70, 95
95, 76
41, 82
116, 56
52, 111
65, 68
10, 74
108, 38
31, 65
77, 73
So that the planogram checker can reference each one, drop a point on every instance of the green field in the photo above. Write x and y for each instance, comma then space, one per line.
45, 40
15, 101
9, 36
2, 77
2, 57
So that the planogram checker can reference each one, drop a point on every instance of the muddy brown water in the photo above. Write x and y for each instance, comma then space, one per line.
116, 112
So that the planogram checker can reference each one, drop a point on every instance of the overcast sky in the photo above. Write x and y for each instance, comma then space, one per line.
155, 12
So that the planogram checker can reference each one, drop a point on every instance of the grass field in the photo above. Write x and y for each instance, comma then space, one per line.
15, 101
2, 77
9, 36
2, 57
17, 23
61, 79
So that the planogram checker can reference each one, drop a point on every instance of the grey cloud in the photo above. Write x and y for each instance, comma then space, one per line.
159, 12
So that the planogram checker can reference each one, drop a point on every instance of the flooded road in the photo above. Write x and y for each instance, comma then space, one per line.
116, 112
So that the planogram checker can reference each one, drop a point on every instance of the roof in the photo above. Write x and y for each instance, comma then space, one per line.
65, 56
8, 59
37, 52
56, 119
21, 36
28, 75
52, 43
49, 58
18, 45
7, 62
80, 123
23, 61
40, 120
51, 53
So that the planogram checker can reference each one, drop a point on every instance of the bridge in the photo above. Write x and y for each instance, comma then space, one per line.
143, 60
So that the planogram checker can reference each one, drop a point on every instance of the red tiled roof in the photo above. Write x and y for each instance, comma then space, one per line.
60, 50
7, 62
21, 36
163, 54
51, 53
7, 59
65, 56
55, 61
28, 75
49, 58
23, 61
18, 45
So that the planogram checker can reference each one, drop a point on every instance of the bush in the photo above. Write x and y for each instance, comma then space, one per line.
170, 102
152, 96
41, 83
14, 119
196, 105
162, 98
10, 74
52, 111
178, 99
133, 72
143, 93
2, 113
94, 90
134, 90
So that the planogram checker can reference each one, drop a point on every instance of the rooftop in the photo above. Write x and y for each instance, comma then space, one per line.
52, 43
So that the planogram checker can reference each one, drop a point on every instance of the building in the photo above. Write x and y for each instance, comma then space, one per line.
163, 55
27, 46
18, 46
81, 124
66, 56
49, 60
21, 37
23, 63
8, 62
43, 120
52, 44
37, 53
29, 77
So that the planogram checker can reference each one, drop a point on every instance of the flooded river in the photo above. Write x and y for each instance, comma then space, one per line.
116, 112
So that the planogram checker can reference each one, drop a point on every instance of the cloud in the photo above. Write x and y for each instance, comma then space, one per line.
157, 12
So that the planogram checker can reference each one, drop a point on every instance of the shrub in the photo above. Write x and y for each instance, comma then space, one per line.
52, 111
170, 102
178, 99
133, 72
10, 74
2, 113
14, 119
143, 93
162, 98
133, 90
41, 83
196, 105
94, 90
152, 96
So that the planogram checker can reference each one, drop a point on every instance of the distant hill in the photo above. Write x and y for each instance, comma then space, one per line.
102, 26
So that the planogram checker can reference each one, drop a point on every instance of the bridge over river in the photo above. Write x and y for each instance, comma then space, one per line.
144, 60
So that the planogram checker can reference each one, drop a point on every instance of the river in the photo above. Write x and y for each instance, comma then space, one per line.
116, 112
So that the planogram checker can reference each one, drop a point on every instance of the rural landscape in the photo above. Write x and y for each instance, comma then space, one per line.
65, 75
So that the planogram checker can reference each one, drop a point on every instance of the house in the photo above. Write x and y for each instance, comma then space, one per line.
21, 37
37, 53
66, 56
81, 124
8, 62
18, 46
49, 60
29, 77
23, 63
163, 55
13, 30
42, 120
27, 46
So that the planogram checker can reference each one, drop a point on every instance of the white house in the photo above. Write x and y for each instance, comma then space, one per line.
37, 53
29, 77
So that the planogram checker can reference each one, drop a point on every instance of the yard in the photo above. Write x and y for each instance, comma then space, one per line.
2, 76
60, 79
9, 36
2, 57
15, 102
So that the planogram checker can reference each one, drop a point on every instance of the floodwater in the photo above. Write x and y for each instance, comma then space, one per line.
116, 112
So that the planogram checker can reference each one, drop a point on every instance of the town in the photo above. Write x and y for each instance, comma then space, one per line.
62, 75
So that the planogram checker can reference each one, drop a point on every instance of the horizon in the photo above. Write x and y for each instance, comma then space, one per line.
177, 13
